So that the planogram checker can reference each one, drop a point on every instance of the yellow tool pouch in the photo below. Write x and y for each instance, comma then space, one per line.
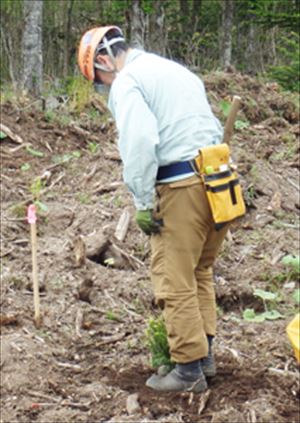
222, 185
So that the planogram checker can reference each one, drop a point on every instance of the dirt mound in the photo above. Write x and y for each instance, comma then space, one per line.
88, 357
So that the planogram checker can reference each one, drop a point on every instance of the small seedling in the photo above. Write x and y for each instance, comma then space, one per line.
157, 343
109, 262
2, 135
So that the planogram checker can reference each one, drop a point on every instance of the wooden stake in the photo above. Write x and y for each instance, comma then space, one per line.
228, 130
31, 217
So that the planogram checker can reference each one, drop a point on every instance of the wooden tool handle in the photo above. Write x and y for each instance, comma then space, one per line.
228, 130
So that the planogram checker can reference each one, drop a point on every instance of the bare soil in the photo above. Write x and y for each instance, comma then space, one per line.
89, 355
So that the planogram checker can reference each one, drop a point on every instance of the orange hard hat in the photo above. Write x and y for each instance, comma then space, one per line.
88, 46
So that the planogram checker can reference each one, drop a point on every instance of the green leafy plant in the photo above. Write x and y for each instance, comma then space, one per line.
157, 342
33, 152
241, 124
292, 262
269, 299
93, 147
110, 315
296, 296
2, 135
25, 167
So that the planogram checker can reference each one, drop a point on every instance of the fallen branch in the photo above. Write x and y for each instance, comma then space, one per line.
105, 341
99, 106
89, 176
10, 134
284, 373
101, 189
133, 261
78, 323
83, 133
112, 156
203, 401
15, 149
293, 184
122, 226
58, 401
69, 366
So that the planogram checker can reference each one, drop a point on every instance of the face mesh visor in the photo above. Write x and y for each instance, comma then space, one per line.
105, 44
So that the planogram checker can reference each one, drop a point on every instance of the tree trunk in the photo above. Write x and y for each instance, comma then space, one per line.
7, 46
32, 78
196, 13
137, 25
67, 34
157, 35
226, 33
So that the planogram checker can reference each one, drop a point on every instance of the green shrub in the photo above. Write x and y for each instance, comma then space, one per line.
288, 75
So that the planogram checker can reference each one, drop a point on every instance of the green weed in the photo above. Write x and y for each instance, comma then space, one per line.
84, 198
269, 300
110, 315
93, 147
25, 167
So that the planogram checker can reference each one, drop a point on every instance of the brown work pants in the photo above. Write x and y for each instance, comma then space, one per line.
181, 267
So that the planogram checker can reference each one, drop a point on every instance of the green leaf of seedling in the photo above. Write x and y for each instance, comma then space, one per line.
296, 296
225, 107
250, 315
241, 124
35, 153
41, 206
292, 261
265, 295
272, 315
2, 135
109, 261
25, 167
76, 154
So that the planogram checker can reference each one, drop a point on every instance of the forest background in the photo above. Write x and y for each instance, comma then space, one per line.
39, 39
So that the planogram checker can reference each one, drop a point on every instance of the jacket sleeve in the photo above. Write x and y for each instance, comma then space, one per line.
138, 138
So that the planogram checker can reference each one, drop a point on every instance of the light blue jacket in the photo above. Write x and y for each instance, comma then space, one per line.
162, 116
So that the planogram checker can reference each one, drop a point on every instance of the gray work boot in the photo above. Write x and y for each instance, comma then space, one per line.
208, 363
184, 377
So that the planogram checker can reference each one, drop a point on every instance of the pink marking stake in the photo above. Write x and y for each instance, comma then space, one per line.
31, 219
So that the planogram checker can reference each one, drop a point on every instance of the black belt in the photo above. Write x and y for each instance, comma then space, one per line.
175, 169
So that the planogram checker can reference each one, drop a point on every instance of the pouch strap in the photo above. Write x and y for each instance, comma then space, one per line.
216, 176
222, 187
